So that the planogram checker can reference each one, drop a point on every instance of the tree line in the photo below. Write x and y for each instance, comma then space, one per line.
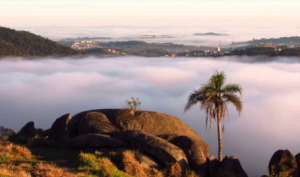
23, 43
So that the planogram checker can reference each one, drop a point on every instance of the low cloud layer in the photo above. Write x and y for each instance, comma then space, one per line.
42, 90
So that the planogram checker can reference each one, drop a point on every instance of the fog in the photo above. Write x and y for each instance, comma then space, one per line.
180, 35
42, 90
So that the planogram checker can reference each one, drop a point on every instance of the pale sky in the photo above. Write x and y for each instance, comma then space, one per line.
81, 13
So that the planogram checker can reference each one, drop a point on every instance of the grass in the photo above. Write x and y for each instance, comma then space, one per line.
18, 161
99, 166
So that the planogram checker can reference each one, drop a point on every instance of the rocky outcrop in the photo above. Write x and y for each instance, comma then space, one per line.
283, 161
94, 140
58, 130
90, 122
232, 166
27, 129
162, 150
212, 165
195, 149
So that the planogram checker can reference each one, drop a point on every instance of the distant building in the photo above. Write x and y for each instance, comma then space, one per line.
219, 48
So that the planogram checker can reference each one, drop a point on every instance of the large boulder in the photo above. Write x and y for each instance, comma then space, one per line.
94, 140
195, 149
162, 150
153, 123
90, 122
231, 167
284, 162
58, 130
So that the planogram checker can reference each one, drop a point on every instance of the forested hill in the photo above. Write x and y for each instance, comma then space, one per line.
23, 43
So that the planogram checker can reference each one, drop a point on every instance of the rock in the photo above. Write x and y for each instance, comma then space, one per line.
195, 149
95, 122
89, 122
147, 161
231, 166
297, 157
94, 140
28, 129
212, 165
162, 150
58, 130
153, 123
283, 161
46, 133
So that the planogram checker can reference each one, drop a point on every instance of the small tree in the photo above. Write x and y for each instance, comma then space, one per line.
127, 115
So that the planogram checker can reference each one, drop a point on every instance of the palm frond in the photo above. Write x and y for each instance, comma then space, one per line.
199, 95
193, 99
218, 80
235, 100
232, 89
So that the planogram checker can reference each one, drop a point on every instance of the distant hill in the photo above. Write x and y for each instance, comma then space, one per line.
23, 43
295, 40
210, 34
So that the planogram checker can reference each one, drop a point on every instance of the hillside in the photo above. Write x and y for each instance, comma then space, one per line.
295, 40
23, 43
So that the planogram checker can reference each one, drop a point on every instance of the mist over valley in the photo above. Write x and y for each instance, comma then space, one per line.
42, 90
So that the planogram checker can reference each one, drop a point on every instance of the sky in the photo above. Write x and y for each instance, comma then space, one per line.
43, 90
213, 13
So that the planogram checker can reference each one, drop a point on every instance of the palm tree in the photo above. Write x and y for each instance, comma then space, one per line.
213, 97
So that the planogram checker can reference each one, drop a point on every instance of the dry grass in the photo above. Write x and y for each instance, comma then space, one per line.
175, 170
131, 165
155, 173
47, 170
11, 155
9, 170
11, 152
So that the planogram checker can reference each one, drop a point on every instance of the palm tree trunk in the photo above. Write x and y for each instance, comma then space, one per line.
219, 135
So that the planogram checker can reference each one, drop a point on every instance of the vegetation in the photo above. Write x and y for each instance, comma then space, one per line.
23, 43
127, 115
295, 40
213, 97
269, 51
17, 160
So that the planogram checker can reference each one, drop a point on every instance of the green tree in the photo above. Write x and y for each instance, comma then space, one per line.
213, 97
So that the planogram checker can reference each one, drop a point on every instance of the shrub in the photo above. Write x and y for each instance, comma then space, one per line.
126, 117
